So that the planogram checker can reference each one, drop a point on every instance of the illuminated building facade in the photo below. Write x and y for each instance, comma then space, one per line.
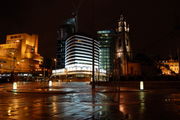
169, 67
122, 49
20, 54
63, 32
106, 42
79, 57
79, 52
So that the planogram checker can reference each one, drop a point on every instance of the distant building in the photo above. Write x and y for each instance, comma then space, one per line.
106, 40
63, 32
20, 54
79, 57
169, 67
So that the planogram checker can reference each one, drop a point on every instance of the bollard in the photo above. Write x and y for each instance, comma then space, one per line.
14, 85
141, 85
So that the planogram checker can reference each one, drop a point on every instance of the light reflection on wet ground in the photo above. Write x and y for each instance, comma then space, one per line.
77, 101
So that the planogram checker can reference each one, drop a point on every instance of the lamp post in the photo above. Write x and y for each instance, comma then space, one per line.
93, 48
55, 63
13, 66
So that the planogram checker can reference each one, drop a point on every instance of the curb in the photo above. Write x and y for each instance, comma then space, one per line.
43, 92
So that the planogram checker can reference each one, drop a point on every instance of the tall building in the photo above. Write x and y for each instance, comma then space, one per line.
79, 53
20, 54
79, 58
63, 32
122, 49
106, 56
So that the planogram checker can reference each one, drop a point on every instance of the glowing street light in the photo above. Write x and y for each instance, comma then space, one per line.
55, 63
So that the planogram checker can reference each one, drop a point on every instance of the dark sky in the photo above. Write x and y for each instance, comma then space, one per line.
154, 24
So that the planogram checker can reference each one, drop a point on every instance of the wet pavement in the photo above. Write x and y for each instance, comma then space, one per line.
77, 101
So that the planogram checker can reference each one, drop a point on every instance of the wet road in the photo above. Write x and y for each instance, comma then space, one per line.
77, 101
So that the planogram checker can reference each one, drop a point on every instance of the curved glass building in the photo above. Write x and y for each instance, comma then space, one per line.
79, 59
79, 53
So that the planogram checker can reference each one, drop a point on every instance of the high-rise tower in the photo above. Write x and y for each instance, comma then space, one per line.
106, 41
63, 32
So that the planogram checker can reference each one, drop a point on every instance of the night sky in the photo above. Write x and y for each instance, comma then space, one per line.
154, 24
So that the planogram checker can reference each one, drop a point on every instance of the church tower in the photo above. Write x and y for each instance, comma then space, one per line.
122, 49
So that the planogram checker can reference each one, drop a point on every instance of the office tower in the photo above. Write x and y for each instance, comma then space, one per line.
78, 53
63, 32
79, 59
106, 56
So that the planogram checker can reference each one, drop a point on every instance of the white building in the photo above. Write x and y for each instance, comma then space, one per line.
79, 59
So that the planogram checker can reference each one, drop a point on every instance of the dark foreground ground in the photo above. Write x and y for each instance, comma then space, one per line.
77, 101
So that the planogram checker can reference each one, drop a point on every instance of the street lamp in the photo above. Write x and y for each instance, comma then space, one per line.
13, 65
55, 63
